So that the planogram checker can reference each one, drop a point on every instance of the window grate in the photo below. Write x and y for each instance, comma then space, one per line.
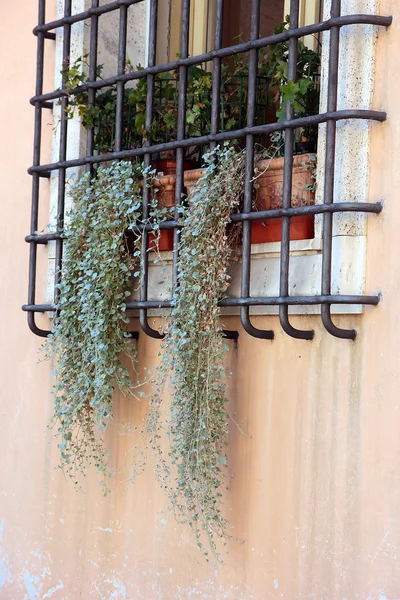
45, 31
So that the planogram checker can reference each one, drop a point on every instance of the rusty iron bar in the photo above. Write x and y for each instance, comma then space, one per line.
222, 53
144, 282
372, 115
262, 215
339, 299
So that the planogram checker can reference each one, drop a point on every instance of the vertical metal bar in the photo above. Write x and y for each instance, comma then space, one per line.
329, 180
119, 114
215, 100
287, 187
248, 183
181, 127
144, 283
216, 82
35, 177
62, 151
94, 29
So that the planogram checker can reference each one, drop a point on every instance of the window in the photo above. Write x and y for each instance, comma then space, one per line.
332, 120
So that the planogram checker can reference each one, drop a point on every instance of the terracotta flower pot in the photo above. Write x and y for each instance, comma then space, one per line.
269, 196
168, 165
301, 228
270, 182
165, 184
269, 193
190, 179
166, 198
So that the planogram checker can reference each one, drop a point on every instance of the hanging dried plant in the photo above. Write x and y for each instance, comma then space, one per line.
193, 354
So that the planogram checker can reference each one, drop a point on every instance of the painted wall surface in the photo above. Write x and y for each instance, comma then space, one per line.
316, 489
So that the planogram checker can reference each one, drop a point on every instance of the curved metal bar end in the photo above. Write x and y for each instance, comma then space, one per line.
34, 328
262, 334
134, 335
299, 334
144, 324
344, 334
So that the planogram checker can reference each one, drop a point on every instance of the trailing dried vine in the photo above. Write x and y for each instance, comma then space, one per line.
89, 335
194, 352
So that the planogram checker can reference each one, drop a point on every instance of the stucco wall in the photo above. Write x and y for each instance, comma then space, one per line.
316, 491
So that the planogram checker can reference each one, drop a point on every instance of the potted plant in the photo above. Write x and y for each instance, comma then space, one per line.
98, 270
273, 89
268, 196
268, 177
90, 335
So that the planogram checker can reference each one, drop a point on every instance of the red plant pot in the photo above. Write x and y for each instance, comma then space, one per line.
165, 186
269, 197
301, 228
168, 165
165, 241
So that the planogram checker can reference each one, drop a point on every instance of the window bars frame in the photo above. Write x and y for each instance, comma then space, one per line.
45, 31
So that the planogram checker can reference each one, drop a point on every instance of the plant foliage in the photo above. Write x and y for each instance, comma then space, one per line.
89, 334
193, 354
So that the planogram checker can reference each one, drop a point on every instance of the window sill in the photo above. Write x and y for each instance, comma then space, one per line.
305, 274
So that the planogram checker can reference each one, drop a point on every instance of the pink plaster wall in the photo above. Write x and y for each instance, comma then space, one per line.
316, 491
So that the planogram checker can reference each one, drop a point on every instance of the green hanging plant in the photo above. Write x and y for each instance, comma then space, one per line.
89, 335
193, 354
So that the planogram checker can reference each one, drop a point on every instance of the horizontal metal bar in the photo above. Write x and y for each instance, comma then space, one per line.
300, 300
49, 36
230, 335
43, 238
263, 215
48, 105
91, 12
223, 52
373, 115
133, 334
315, 209
253, 301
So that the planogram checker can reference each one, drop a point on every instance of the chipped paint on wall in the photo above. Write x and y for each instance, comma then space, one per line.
34, 579
5, 574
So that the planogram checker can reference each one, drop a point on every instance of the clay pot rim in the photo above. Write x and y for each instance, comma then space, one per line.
193, 174
276, 164
163, 180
